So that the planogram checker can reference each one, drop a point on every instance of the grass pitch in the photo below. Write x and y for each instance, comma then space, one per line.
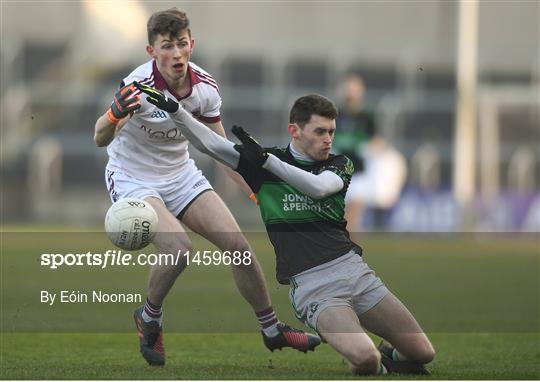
243, 356
478, 298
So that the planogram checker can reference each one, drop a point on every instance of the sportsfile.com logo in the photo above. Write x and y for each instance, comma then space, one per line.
113, 257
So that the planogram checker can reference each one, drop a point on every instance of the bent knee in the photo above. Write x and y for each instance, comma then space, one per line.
365, 361
424, 354
428, 354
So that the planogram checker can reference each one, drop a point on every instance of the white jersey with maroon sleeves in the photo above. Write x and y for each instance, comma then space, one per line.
150, 146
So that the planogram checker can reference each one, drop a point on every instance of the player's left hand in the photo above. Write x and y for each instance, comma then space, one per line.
158, 98
250, 149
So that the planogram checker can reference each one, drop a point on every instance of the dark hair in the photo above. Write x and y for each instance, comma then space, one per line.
167, 23
304, 107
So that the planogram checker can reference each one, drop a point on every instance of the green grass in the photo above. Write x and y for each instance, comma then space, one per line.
242, 356
457, 286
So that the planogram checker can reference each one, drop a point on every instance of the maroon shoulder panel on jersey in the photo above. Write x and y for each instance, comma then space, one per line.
209, 119
206, 78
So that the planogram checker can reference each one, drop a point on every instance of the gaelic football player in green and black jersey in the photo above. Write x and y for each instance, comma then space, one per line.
301, 190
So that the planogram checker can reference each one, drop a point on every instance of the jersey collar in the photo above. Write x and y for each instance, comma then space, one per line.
298, 157
294, 155
161, 84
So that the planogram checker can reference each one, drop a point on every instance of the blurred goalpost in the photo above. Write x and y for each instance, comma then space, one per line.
477, 126
467, 81
492, 101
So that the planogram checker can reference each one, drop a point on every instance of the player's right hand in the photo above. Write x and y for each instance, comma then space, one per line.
158, 98
124, 103
250, 149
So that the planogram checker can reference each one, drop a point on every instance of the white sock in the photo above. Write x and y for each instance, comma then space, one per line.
268, 320
147, 318
271, 331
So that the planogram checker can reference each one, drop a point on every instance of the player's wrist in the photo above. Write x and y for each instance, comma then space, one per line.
171, 107
111, 118
180, 112
269, 159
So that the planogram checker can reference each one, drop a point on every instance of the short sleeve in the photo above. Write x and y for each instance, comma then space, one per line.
129, 80
211, 112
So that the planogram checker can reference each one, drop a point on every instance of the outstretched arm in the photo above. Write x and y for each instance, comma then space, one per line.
199, 135
205, 139
316, 186
236, 177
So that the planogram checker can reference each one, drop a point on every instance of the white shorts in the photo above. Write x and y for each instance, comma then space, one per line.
345, 281
177, 193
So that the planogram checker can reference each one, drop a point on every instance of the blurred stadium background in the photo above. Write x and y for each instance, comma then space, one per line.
476, 294
62, 61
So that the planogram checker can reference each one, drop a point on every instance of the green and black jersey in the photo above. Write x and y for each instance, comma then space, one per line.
305, 232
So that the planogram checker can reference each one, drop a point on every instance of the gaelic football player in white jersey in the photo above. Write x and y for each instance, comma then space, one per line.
148, 159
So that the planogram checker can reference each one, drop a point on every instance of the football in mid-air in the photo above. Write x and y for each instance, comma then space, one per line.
131, 223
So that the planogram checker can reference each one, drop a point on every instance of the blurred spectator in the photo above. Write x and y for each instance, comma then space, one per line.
380, 170
355, 126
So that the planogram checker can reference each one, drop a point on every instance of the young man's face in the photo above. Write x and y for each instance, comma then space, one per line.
172, 54
315, 139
